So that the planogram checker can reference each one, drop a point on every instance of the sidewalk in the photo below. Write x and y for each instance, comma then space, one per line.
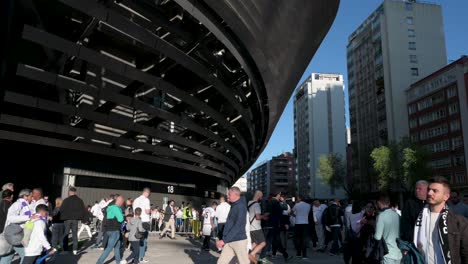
183, 251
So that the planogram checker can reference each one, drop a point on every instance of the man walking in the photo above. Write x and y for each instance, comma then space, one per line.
72, 211
334, 216
222, 212
301, 213
440, 235
169, 220
143, 202
256, 232
388, 228
275, 220
208, 225
18, 213
318, 212
234, 242
411, 210
114, 219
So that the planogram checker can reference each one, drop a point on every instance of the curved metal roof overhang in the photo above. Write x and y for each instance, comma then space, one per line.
280, 37
192, 85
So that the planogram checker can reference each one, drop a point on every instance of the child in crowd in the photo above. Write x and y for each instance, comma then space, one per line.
37, 240
136, 230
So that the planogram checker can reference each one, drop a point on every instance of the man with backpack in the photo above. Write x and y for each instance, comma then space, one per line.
114, 219
256, 232
18, 214
72, 212
35, 240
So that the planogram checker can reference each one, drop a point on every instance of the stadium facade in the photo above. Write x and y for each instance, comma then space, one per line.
179, 95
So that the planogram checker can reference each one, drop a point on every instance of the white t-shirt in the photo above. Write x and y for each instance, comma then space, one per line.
434, 251
301, 210
254, 209
179, 213
318, 211
143, 203
194, 215
208, 213
222, 211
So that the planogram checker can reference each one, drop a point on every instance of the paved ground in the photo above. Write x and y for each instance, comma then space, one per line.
183, 251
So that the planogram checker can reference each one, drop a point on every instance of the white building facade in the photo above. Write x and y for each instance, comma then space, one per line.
398, 44
319, 129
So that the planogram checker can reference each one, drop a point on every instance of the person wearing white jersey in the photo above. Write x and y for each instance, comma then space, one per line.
208, 225
222, 212
143, 202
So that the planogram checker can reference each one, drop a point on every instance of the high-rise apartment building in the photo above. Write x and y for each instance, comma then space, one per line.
438, 120
273, 176
400, 42
319, 129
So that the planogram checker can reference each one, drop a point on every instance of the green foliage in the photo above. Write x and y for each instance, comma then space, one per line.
332, 170
400, 165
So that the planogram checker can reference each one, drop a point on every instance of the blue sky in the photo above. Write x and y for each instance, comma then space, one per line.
331, 56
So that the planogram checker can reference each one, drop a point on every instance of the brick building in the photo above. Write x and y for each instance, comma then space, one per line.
273, 176
438, 119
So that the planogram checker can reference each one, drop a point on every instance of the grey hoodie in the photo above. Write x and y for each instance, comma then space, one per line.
134, 226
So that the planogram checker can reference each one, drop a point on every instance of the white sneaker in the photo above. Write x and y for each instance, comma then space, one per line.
144, 260
123, 262
75, 252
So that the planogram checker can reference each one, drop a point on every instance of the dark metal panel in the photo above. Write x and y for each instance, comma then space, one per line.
160, 45
84, 53
67, 130
69, 83
27, 138
112, 120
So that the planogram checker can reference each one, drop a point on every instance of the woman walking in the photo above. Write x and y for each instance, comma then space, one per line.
58, 227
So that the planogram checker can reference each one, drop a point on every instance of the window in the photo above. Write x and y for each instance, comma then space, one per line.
440, 163
423, 104
409, 20
451, 92
414, 72
453, 108
455, 125
409, 6
412, 45
411, 33
413, 58
459, 160
457, 142
413, 123
411, 108
440, 146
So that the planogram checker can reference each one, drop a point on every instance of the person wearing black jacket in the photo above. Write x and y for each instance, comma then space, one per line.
411, 210
275, 220
72, 211
5, 203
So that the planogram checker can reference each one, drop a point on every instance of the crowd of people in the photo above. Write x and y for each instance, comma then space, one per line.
431, 228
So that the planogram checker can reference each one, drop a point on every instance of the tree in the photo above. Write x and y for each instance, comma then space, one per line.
332, 171
400, 165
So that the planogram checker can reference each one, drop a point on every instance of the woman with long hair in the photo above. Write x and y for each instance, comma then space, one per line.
58, 227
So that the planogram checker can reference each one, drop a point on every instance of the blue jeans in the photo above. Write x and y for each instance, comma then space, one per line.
143, 245
113, 243
7, 259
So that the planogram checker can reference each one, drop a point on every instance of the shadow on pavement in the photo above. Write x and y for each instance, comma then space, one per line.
199, 255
